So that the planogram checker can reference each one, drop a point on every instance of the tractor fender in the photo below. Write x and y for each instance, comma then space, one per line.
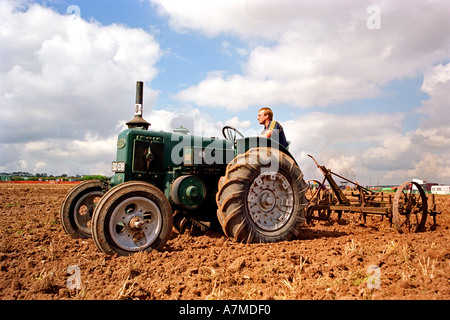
245, 144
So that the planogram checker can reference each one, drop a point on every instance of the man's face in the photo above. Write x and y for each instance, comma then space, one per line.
262, 117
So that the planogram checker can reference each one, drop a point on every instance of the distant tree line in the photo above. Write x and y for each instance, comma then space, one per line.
23, 175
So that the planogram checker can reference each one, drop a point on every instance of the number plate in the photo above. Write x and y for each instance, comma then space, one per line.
118, 166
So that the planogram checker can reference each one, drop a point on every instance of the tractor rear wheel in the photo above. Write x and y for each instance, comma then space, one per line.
262, 198
78, 207
134, 216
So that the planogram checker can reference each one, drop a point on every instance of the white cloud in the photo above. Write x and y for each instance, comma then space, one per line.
344, 166
91, 154
373, 146
236, 123
216, 91
209, 17
196, 121
350, 145
39, 166
313, 53
323, 131
437, 84
62, 77
22, 164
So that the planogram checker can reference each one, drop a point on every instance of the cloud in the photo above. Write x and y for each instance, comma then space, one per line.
317, 55
79, 72
437, 85
375, 147
38, 166
64, 81
90, 155
350, 145
209, 17
196, 121
256, 19
313, 53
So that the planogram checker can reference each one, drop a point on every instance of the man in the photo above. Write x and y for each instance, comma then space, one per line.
272, 128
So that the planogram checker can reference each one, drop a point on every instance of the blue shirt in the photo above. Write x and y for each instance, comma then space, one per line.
277, 133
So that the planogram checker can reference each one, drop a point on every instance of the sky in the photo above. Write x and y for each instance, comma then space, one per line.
362, 86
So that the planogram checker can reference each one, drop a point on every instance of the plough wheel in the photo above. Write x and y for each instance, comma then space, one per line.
316, 195
313, 186
410, 208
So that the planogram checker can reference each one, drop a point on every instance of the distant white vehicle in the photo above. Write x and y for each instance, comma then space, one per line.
440, 189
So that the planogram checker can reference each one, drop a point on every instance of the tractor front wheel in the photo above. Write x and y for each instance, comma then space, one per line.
78, 207
262, 198
134, 216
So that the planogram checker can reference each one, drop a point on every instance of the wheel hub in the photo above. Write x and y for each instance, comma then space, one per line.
84, 209
136, 223
270, 201
266, 200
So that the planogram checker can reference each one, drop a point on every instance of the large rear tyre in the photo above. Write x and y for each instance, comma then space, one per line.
78, 207
262, 198
134, 216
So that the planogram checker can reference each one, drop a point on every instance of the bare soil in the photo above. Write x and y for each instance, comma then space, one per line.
330, 260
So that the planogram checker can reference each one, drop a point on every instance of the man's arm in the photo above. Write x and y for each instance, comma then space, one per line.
273, 126
267, 134
269, 131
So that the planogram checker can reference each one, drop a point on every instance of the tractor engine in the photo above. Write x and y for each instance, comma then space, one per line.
184, 167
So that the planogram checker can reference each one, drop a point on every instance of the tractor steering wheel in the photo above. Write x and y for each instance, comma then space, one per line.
230, 133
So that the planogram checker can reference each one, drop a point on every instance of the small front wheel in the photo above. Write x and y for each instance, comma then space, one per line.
134, 216
78, 207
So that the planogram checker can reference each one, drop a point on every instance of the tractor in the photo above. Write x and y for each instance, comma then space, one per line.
250, 187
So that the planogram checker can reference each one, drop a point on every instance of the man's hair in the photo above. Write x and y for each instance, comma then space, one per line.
268, 111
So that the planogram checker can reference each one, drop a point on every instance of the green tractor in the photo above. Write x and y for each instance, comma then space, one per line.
250, 187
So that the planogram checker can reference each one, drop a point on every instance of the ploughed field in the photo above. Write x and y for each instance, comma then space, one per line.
339, 259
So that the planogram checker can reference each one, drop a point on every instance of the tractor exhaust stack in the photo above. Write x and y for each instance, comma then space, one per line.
138, 121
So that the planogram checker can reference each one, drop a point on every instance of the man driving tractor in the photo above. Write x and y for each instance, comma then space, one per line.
272, 128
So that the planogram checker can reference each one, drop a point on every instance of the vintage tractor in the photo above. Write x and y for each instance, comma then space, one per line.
251, 187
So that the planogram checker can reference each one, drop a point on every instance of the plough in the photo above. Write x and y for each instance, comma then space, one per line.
407, 209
